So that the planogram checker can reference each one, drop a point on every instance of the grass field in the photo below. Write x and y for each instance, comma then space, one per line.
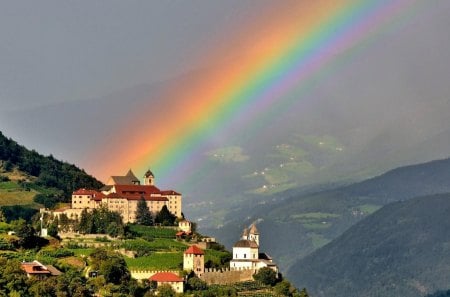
156, 232
159, 244
156, 261
12, 193
369, 208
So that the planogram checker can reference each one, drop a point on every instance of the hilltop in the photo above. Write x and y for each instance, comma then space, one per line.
30, 180
401, 250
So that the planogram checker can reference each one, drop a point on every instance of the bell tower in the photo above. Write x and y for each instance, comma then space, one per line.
149, 178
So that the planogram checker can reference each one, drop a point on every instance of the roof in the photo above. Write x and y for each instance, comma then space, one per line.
96, 195
170, 192
149, 173
193, 249
253, 229
121, 180
245, 232
137, 196
106, 188
131, 175
264, 256
36, 267
246, 244
136, 189
165, 277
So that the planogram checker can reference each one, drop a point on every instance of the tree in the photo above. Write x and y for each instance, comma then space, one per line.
111, 266
196, 284
166, 291
2, 216
143, 215
303, 293
165, 217
285, 288
267, 276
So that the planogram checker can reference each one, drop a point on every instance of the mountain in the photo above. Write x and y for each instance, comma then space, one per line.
312, 219
401, 250
31, 180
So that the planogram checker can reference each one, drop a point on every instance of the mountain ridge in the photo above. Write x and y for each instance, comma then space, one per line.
403, 249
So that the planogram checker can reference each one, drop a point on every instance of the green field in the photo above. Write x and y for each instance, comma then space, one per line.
369, 208
158, 261
159, 244
155, 232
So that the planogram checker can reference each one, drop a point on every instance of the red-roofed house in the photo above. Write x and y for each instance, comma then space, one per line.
168, 278
37, 270
194, 260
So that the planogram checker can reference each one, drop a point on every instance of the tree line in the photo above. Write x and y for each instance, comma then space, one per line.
50, 172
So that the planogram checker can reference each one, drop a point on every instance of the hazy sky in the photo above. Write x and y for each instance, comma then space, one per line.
52, 51
391, 93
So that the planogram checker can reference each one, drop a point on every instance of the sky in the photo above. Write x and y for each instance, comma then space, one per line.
56, 51
81, 78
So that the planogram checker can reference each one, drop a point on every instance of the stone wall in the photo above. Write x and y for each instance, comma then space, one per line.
227, 276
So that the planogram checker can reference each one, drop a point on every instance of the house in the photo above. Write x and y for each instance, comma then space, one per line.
37, 270
194, 260
185, 226
168, 278
246, 254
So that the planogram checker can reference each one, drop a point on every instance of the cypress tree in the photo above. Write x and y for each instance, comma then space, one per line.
143, 215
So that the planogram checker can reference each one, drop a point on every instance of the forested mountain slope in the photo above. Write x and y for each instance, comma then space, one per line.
30, 179
401, 250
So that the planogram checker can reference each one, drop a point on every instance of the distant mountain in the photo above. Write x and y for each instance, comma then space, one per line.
401, 250
30, 179
309, 220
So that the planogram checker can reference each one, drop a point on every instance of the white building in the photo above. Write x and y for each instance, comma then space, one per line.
246, 253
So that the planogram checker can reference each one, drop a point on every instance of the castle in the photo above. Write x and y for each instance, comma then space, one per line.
122, 194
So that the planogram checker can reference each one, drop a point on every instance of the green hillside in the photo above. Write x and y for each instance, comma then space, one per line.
309, 221
401, 250
31, 180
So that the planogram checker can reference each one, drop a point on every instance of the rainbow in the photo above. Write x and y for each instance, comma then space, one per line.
246, 80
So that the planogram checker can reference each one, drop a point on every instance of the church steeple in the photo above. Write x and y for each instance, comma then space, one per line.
253, 234
149, 178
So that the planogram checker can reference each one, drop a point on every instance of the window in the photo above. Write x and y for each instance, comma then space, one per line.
245, 256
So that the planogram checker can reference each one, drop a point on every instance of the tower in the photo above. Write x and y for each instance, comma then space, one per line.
245, 234
253, 234
194, 260
149, 178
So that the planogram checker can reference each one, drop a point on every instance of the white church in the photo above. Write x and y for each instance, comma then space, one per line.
246, 253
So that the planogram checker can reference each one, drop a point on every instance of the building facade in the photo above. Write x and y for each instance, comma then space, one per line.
122, 194
246, 254
194, 260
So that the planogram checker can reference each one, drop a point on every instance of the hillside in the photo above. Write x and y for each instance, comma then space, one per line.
30, 179
309, 221
401, 250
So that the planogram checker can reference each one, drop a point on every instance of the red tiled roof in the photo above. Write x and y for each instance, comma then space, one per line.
180, 233
141, 189
34, 268
193, 249
94, 193
170, 192
165, 277
137, 197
